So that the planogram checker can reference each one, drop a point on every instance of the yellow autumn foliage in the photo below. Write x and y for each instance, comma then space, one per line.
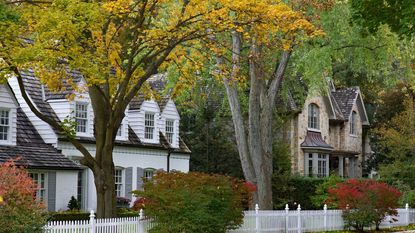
124, 41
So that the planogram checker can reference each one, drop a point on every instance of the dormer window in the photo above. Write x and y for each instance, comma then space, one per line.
4, 125
353, 124
313, 117
170, 130
149, 126
81, 117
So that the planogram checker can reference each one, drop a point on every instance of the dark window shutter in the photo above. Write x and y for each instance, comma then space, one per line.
128, 182
52, 191
140, 174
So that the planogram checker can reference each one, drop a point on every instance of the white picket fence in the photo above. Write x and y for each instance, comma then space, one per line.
105, 225
256, 221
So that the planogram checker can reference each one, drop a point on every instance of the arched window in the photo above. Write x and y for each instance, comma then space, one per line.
313, 116
353, 124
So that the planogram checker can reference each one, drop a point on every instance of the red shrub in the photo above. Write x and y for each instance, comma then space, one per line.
19, 211
368, 201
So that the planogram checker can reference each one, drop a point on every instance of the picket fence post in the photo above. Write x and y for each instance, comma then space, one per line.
325, 216
287, 218
140, 228
92, 221
299, 218
257, 224
407, 213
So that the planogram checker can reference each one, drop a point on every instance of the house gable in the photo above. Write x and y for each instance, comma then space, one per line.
170, 114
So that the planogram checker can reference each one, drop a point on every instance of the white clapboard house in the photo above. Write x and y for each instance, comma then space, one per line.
148, 140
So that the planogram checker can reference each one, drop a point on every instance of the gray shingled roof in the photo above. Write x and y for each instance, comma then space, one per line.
32, 150
68, 89
136, 103
345, 98
162, 102
134, 141
34, 89
337, 111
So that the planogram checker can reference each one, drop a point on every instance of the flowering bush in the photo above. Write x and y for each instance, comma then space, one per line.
194, 202
19, 211
139, 204
365, 202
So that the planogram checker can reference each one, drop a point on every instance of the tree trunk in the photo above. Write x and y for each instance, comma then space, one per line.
105, 188
255, 142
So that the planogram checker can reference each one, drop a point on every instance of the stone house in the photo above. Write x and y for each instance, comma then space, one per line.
326, 135
147, 140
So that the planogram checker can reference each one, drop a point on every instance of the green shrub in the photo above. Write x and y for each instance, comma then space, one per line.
298, 190
19, 211
81, 215
126, 212
321, 194
194, 202
74, 204
68, 215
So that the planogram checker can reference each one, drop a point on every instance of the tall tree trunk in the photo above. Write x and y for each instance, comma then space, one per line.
106, 125
255, 142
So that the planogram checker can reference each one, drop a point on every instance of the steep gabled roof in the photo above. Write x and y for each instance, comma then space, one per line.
336, 108
346, 98
157, 83
32, 150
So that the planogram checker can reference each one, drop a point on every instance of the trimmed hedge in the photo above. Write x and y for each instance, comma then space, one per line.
68, 216
78, 215
299, 192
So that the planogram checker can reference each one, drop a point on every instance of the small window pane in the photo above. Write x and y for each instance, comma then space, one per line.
81, 117
149, 126
4, 125
353, 123
40, 180
118, 182
170, 130
148, 173
313, 117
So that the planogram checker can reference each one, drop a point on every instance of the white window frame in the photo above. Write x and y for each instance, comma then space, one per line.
170, 132
6, 126
353, 123
148, 173
149, 127
309, 164
322, 163
313, 121
81, 118
42, 189
119, 182
316, 164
